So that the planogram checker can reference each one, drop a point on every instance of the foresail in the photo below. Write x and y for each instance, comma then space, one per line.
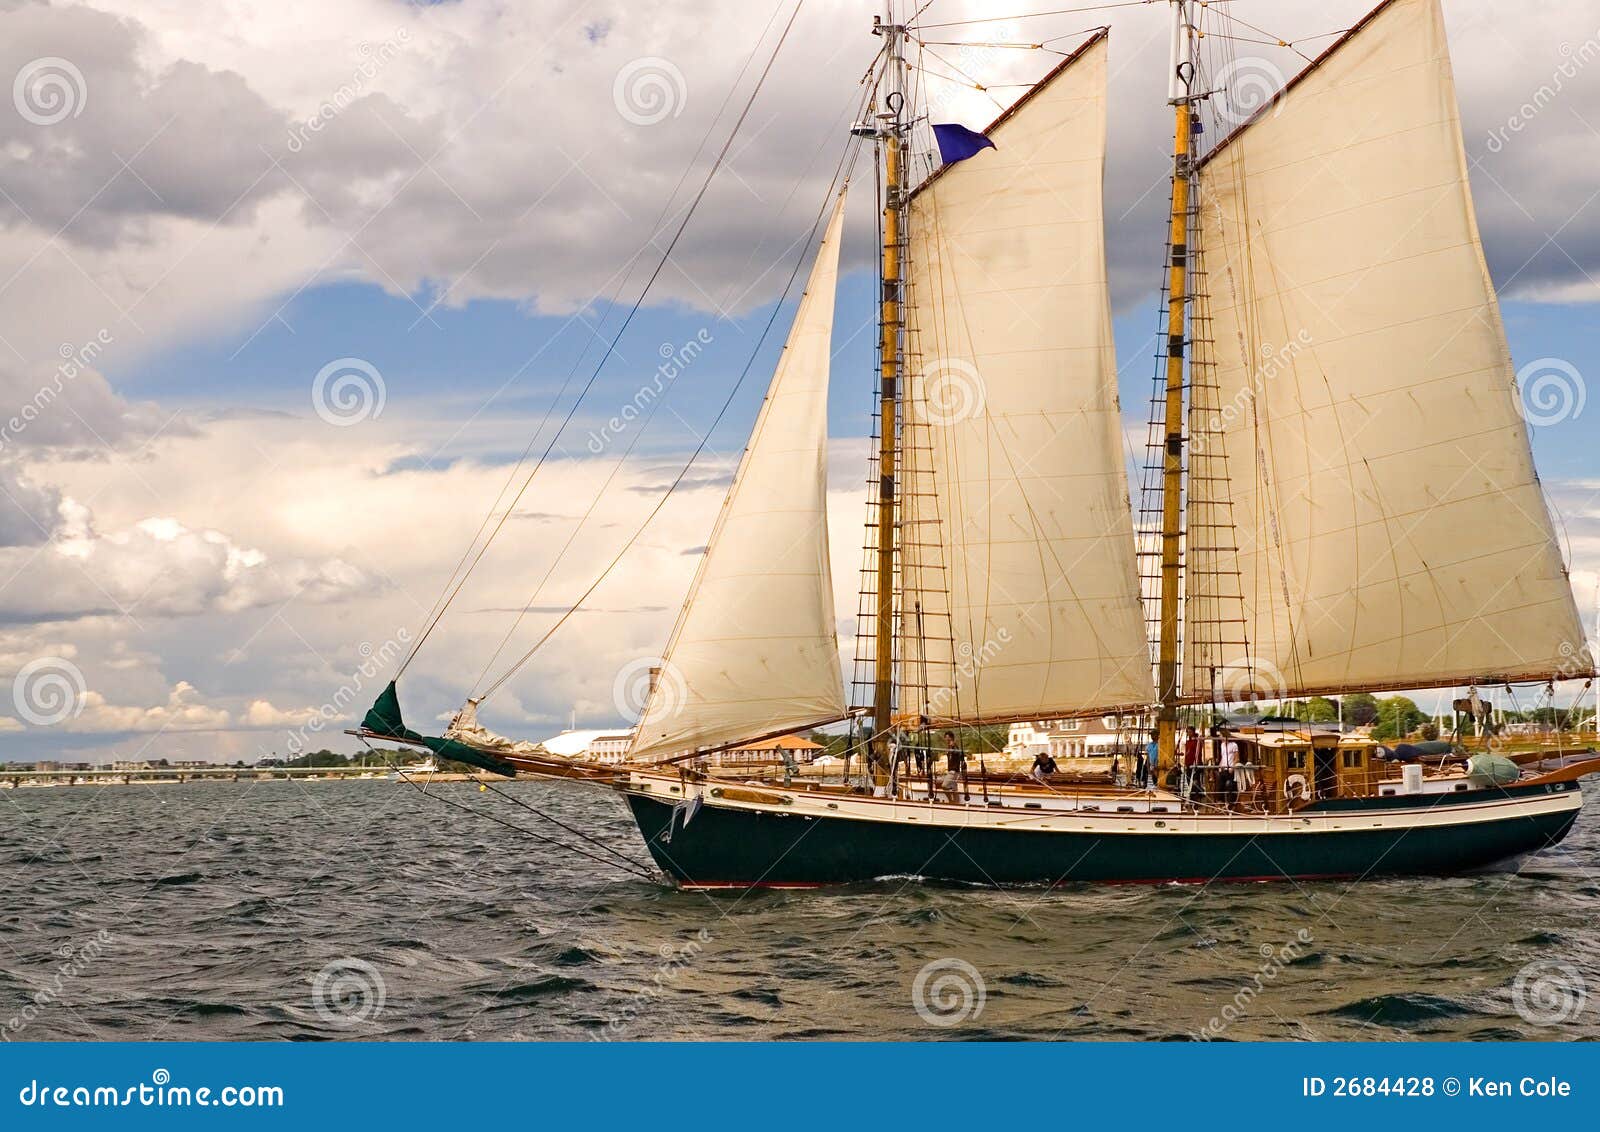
1020, 595
755, 652
1389, 529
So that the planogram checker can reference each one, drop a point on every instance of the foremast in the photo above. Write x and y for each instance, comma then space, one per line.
891, 135
1180, 96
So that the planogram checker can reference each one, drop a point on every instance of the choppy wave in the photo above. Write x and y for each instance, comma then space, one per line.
318, 910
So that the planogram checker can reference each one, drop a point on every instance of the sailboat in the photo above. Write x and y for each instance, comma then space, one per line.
1341, 498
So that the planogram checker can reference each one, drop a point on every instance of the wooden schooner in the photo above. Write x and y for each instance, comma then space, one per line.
1341, 497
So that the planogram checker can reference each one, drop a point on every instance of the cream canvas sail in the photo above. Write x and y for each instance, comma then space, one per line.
1020, 592
755, 651
1389, 526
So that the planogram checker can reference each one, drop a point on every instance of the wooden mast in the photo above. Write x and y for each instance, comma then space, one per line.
892, 142
1179, 95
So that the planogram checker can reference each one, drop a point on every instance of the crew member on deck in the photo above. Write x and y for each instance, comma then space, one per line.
1228, 765
1152, 762
1191, 762
955, 765
1043, 767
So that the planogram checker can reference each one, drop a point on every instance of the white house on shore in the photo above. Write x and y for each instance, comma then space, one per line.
607, 746
1094, 738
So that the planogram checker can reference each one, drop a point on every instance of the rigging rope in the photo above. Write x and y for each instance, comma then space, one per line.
1055, 12
434, 611
612, 344
637, 435
846, 163
625, 863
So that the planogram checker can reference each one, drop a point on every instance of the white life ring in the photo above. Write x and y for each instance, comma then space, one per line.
1295, 786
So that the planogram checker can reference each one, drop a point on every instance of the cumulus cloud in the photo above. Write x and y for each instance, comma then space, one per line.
184, 710
158, 567
219, 159
27, 509
100, 139
475, 150
261, 714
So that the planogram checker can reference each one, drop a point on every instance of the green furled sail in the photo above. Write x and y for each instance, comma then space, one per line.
384, 719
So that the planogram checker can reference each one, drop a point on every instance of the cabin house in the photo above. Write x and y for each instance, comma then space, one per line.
768, 753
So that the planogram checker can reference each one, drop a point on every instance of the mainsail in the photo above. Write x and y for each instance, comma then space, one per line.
1390, 529
754, 651
1020, 596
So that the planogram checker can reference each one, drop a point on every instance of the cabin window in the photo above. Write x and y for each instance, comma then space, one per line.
1352, 760
1296, 760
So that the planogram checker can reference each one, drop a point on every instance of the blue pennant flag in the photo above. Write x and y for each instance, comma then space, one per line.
957, 143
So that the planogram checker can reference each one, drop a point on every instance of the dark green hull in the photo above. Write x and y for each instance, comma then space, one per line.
747, 848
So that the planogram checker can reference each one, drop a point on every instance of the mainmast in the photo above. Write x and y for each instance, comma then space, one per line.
1180, 96
891, 136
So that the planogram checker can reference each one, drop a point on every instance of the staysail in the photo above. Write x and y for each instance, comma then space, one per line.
1020, 594
755, 650
1389, 529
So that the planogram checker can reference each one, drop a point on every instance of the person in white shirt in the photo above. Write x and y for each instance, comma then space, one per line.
1244, 775
1227, 768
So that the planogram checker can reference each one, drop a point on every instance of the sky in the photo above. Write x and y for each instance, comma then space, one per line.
286, 288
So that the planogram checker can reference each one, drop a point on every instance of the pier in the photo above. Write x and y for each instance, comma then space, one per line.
160, 776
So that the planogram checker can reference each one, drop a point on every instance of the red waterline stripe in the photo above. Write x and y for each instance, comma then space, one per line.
704, 885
